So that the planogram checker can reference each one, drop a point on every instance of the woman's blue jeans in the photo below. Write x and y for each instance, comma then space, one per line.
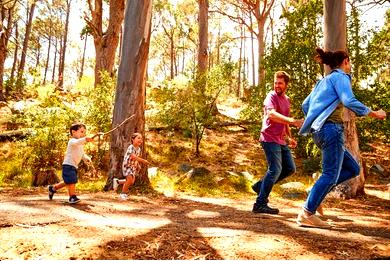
338, 164
280, 165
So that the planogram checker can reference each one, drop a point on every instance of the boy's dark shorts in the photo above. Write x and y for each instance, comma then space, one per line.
69, 174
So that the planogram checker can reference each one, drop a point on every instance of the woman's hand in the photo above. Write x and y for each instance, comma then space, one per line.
379, 114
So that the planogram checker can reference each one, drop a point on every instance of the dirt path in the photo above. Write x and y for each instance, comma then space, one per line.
185, 227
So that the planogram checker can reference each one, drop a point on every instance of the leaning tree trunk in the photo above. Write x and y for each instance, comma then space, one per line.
130, 89
335, 30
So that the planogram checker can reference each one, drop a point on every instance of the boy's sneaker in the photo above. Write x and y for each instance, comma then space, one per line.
123, 196
51, 191
115, 184
74, 199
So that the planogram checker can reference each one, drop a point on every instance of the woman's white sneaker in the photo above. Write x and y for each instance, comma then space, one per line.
123, 196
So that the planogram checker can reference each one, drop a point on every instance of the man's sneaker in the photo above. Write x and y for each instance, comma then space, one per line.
115, 184
74, 199
123, 196
264, 209
51, 191
257, 186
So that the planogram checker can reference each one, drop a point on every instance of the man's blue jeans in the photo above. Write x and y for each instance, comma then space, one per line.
280, 165
338, 164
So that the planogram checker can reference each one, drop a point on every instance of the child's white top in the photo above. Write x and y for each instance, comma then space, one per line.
74, 152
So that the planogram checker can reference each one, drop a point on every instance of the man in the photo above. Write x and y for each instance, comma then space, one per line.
275, 139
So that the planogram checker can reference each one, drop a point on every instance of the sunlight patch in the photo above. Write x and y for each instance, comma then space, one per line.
203, 214
251, 244
221, 232
120, 221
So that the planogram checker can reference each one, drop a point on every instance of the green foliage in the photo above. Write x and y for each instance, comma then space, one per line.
372, 80
163, 183
188, 104
46, 144
293, 52
99, 104
91, 185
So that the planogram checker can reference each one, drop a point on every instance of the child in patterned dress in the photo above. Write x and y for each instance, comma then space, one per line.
131, 165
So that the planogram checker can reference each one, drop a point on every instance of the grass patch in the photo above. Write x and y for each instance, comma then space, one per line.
163, 183
91, 185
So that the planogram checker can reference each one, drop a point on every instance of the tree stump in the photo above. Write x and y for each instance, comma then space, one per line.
45, 177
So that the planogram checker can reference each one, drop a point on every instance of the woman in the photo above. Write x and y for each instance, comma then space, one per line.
323, 118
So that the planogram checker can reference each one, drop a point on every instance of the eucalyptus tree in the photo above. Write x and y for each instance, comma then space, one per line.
61, 67
173, 43
260, 10
169, 17
106, 38
84, 36
203, 52
30, 15
131, 84
44, 28
7, 8
299, 33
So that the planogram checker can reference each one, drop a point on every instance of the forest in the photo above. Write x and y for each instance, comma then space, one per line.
191, 77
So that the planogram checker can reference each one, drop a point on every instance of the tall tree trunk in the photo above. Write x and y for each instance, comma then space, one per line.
54, 60
218, 44
47, 60
253, 54
172, 55
261, 47
83, 58
240, 60
38, 55
203, 36
335, 30
15, 60
61, 67
105, 43
130, 89
170, 34
60, 55
6, 13
25, 45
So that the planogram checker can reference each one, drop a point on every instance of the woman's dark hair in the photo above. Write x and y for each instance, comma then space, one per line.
333, 59
76, 127
134, 136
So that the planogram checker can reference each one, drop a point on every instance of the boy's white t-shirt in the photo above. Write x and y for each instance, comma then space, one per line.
74, 152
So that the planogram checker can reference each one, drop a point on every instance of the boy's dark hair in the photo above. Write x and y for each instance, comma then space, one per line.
76, 127
283, 75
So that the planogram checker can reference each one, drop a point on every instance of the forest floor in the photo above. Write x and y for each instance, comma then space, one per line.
188, 226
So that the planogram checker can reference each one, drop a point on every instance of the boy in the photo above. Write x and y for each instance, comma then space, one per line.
74, 154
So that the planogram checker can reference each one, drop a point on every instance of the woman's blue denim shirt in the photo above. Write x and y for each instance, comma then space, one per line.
325, 97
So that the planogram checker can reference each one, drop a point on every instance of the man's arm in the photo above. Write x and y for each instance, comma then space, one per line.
280, 118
